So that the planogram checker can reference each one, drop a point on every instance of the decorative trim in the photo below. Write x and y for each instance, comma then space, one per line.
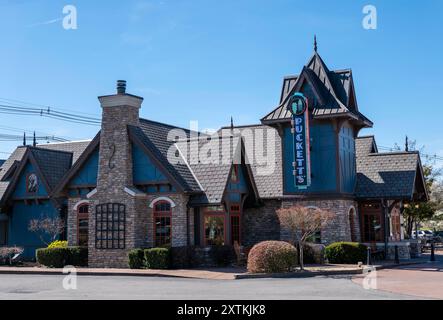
167, 199
90, 194
134, 192
78, 204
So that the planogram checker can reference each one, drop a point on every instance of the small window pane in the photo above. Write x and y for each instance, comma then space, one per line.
214, 230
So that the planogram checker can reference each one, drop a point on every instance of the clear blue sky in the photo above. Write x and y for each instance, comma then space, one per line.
206, 60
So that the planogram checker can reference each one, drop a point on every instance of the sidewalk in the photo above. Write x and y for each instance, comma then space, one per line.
213, 273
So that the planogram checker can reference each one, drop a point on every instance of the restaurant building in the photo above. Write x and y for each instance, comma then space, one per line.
140, 183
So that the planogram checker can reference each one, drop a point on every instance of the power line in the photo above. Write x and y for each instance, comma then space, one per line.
49, 113
23, 103
434, 157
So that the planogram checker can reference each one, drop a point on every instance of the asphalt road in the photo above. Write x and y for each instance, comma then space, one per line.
146, 288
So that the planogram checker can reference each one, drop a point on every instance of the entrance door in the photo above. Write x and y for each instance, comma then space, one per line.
372, 222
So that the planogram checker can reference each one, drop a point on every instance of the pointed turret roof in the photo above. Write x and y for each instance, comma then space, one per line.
334, 91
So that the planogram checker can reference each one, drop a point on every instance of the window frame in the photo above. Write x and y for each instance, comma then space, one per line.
82, 216
161, 214
27, 184
211, 213
236, 171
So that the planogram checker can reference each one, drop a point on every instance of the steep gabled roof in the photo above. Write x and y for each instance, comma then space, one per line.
334, 90
53, 164
77, 165
153, 138
214, 176
50, 165
390, 175
56, 162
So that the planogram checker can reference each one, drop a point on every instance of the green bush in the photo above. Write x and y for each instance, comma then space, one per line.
58, 244
313, 253
136, 259
61, 257
222, 255
157, 258
346, 252
272, 257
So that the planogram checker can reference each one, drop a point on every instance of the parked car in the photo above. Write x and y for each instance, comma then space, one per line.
421, 234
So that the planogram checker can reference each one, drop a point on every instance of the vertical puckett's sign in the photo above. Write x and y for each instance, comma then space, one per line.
298, 106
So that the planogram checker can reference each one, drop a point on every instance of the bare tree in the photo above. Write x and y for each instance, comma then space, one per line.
53, 227
302, 223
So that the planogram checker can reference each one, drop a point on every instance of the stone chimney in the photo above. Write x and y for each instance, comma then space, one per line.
113, 224
119, 111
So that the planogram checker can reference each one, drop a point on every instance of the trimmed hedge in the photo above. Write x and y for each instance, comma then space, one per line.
61, 257
182, 257
136, 259
346, 252
272, 257
157, 258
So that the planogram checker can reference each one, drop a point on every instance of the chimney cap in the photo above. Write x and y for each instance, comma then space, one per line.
121, 86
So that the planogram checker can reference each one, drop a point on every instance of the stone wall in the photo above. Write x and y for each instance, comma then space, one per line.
260, 224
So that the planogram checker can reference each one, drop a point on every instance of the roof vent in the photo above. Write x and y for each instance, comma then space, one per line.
121, 86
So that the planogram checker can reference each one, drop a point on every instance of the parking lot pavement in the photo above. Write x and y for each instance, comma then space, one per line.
421, 280
142, 288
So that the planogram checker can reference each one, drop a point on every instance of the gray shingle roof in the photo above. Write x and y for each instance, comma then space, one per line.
155, 137
385, 175
52, 163
76, 148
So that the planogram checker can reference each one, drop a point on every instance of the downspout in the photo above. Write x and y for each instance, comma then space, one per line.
386, 222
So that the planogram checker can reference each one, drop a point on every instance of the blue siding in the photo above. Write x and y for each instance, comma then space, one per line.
323, 160
347, 159
235, 189
143, 168
20, 188
18, 233
87, 175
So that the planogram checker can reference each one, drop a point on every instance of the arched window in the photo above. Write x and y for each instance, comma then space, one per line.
162, 223
83, 225
352, 224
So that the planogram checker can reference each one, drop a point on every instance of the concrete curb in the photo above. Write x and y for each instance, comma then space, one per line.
92, 273
304, 274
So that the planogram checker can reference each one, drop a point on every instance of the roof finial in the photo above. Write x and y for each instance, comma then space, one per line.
315, 43
24, 139
232, 123
406, 144
34, 143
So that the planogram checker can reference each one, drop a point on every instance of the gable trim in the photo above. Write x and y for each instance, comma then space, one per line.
77, 166
133, 138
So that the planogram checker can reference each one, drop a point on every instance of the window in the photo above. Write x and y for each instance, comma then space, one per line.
214, 229
234, 173
3, 233
235, 228
31, 183
162, 224
83, 225
110, 226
